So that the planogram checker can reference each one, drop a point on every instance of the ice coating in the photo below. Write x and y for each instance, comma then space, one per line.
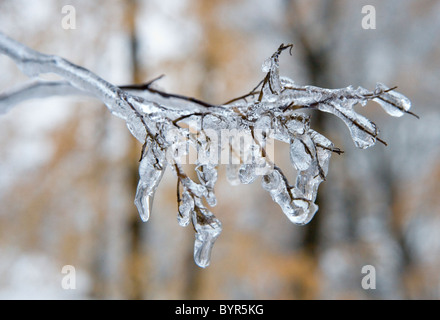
300, 155
162, 122
207, 175
394, 103
267, 65
247, 173
185, 209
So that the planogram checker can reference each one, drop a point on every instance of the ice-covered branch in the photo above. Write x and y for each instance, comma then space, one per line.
35, 89
239, 133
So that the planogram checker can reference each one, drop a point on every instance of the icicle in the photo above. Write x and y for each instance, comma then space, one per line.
151, 169
292, 202
143, 201
304, 210
296, 207
208, 228
311, 154
308, 180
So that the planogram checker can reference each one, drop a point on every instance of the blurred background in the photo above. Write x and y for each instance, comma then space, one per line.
68, 168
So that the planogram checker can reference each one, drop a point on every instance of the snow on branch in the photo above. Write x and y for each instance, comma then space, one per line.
239, 133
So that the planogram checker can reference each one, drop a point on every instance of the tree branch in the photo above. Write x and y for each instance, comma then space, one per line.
272, 110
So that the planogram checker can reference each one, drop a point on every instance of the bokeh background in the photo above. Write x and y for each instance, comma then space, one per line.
68, 168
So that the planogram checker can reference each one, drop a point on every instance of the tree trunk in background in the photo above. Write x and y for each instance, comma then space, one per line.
136, 266
204, 11
317, 58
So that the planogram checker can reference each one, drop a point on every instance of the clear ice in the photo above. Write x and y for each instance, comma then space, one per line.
274, 110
